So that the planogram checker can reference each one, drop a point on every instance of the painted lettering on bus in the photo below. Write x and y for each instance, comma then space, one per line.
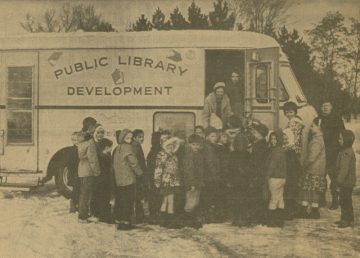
82, 66
118, 91
148, 62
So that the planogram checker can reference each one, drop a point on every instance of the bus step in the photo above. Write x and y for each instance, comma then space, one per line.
27, 183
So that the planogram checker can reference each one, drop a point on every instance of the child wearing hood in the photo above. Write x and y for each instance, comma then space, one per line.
346, 177
313, 181
155, 199
167, 179
276, 174
126, 168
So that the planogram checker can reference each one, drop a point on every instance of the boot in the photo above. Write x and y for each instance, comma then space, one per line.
303, 213
314, 214
271, 218
72, 207
345, 224
173, 222
163, 219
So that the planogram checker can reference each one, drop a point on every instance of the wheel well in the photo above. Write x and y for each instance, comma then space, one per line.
58, 159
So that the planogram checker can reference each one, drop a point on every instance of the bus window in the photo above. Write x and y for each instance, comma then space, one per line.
19, 105
262, 83
291, 83
175, 121
283, 95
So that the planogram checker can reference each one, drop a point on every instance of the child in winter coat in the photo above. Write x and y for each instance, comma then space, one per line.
73, 163
346, 177
88, 169
102, 186
193, 165
167, 179
142, 204
223, 152
276, 174
126, 168
212, 170
257, 166
313, 181
155, 199
238, 181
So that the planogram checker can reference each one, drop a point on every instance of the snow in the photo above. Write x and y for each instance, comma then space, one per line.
37, 224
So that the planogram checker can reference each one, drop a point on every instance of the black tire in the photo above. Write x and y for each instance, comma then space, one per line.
62, 180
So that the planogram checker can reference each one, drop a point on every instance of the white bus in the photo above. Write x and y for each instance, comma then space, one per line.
148, 80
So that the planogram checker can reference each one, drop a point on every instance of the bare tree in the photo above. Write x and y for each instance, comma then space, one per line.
70, 18
262, 16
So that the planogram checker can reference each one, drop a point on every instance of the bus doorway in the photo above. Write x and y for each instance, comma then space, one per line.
227, 66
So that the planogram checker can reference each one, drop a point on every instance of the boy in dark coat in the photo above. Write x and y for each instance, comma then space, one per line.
212, 168
257, 166
73, 163
102, 186
238, 181
223, 152
346, 177
141, 208
193, 165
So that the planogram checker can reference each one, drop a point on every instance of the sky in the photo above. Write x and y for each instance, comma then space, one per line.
121, 13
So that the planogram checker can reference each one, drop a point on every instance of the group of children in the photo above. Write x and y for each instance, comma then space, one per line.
245, 175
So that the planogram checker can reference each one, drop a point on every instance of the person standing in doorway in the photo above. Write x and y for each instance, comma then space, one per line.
217, 109
331, 125
235, 92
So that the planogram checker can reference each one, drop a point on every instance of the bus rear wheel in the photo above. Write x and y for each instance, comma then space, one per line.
62, 182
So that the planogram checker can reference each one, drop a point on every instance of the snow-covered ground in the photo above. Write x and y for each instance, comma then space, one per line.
38, 224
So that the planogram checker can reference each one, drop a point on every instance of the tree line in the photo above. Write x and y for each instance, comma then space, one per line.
327, 64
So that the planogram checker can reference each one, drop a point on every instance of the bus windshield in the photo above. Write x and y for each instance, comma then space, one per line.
291, 84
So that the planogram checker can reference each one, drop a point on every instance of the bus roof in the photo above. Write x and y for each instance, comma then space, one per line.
150, 39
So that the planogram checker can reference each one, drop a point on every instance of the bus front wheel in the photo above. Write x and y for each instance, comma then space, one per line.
62, 182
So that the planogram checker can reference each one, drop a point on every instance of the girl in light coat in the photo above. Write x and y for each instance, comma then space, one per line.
313, 182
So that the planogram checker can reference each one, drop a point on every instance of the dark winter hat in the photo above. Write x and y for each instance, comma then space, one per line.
87, 122
137, 132
194, 138
290, 106
199, 127
348, 137
210, 130
261, 129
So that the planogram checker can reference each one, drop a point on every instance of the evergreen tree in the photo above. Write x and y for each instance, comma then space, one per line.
197, 20
142, 24
178, 21
158, 20
221, 18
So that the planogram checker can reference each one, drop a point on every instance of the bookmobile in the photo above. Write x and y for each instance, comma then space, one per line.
50, 82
